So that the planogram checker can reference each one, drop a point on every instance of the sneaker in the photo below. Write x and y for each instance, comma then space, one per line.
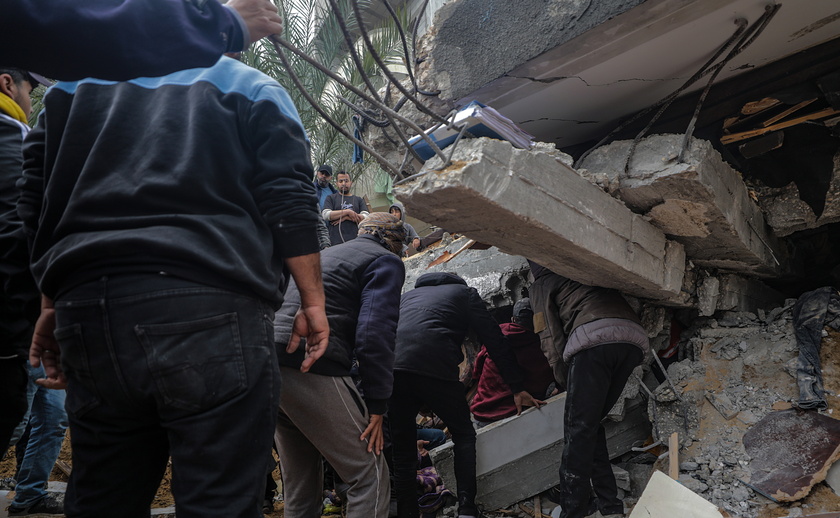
47, 507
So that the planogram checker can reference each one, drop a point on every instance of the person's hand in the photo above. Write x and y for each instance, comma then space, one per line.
523, 399
373, 434
356, 217
421, 447
310, 322
44, 350
260, 17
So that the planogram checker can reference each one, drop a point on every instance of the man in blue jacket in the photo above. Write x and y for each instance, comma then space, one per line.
321, 412
435, 317
163, 216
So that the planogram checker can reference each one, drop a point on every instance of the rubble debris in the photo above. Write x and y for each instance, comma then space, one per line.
791, 450
666, 498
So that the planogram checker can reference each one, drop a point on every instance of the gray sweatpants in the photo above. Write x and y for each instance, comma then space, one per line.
325, 415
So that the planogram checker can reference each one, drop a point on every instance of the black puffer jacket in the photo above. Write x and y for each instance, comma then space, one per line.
435, 317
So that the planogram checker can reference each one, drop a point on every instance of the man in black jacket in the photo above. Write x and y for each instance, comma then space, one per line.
595, 335
435, 317
321, 412
164, 216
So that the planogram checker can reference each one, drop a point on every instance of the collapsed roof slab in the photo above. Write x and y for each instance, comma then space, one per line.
527, 203
701, 202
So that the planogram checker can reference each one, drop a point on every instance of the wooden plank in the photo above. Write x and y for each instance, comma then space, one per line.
735, 137
63, 466
754, 107
674, 456
787, 112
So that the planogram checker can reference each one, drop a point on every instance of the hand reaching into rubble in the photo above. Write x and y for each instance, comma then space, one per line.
524, 399
373, 434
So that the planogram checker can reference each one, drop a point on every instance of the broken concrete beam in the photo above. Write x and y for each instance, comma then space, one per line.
519, 457
527, 203
702, 203
667, 498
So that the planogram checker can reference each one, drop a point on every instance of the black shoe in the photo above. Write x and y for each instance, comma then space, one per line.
50, 505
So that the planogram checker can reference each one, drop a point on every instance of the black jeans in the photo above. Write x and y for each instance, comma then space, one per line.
13, 380
596, 378
447, 399
158, 367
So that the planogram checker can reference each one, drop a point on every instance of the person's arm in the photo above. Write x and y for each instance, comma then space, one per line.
44, 350
376, 333
283, 190
494, 341
122, 40
311, 319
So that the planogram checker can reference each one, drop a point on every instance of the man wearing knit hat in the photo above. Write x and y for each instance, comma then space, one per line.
322, 412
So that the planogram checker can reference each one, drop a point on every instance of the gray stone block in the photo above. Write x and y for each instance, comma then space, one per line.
527, 203
702, 203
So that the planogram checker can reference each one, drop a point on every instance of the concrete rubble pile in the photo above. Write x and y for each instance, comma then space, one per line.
737, 368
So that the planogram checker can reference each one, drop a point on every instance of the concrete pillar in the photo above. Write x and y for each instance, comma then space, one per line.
528, 203
701, 203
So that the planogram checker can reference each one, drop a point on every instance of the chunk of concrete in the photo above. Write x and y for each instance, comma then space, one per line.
528, 203
701, 203
666, 498
498, 277
519, 457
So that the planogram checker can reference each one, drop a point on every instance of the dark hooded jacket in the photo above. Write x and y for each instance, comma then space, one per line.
435, 317
362, 284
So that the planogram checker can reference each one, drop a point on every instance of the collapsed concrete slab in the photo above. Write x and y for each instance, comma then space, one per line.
498, 277
519, 457
528, 203
730, 292
701, 203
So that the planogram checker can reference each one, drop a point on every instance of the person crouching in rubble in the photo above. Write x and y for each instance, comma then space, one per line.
598, 338
493, 400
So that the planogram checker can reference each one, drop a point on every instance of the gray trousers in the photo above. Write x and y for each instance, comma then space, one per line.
325, 415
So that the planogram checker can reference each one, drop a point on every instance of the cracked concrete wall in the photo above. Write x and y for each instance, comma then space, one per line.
476, 41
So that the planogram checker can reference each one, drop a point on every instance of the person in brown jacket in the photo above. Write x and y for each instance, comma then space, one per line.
593, 340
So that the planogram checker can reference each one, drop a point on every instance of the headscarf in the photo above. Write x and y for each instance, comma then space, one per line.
387, 228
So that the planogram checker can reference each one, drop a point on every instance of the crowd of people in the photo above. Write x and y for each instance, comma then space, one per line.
180, 283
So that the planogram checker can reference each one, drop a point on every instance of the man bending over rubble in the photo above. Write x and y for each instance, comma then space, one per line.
321, 412
434, 320
595, 334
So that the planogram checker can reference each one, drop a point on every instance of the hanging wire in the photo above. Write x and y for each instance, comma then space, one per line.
338, 79
299, 85
348, 39
742, 25
769, 12
382, 66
